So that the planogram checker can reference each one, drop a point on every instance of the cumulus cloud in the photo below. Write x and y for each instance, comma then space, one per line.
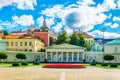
20, 4
24, 20
109, 35
115, 25
7, 24
116, 18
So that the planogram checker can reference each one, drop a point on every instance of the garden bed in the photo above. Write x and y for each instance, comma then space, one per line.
64, 66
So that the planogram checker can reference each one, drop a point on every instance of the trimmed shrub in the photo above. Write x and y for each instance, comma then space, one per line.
24, 63
36, 63
93, 64
104, 64
15, 64
113, 65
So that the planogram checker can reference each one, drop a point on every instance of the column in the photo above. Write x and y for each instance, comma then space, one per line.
51, 56
61, 56
78, 56
56, 56
46, 55
83, 56
67, 57
72, 56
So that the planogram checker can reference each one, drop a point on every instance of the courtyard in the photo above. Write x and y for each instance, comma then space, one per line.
39, 73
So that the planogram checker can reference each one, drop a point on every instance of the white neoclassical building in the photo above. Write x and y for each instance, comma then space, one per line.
65, 53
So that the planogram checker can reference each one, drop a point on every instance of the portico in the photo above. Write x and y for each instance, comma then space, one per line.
65, 53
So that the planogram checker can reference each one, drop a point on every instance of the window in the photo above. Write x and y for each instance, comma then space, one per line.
25, 43
30, 43
12, 44
16, 43
116, 49
7, 43
20, 43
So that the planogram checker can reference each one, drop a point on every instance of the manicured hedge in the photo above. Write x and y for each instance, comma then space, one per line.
15, 64
24, 63
36, 63
104, 64
93, 64
113, 65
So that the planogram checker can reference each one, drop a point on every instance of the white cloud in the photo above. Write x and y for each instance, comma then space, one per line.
109, 16
116, 18
115, 25
108, 24
109, 35
83, 16
24, 20
20, 4
118, 4
58, 27
49, 21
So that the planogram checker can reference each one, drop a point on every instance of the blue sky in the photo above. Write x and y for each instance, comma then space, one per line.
88, 15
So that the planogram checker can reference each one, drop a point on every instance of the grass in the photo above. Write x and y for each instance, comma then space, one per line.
10, 65
106, 67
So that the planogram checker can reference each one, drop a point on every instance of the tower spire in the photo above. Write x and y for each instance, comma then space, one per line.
44, 23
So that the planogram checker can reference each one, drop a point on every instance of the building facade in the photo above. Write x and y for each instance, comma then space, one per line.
65, 53
2, 45
23, 43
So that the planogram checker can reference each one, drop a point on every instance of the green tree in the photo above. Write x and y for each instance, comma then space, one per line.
51, 41
62, 37
108, 57
3, 55
5, 32
81, 41
21, 56
88, 46
74, 38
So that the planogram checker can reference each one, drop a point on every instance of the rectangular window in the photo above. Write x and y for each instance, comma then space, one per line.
12, 44
25, 43
116, 49
20, 43
16, 44
30, 43
7, 43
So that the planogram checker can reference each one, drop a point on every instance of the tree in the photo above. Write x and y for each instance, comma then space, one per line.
3, 55
74, 38
21, 56
108, 57
88, 46
81, 41
62, 37
5, 32
51, 41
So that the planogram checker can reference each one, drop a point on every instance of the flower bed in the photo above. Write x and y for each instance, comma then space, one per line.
64, 66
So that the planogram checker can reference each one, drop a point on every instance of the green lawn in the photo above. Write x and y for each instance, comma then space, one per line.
10, 65
106, 67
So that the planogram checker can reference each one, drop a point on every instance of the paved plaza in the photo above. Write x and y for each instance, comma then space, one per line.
39, 73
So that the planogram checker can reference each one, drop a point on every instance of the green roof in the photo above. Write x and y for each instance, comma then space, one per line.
65, 46
1, 40
114, 42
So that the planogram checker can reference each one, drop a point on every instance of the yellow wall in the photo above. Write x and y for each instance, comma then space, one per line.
36, 45
89, 40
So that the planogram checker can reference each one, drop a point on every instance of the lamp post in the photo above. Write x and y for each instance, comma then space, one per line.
103, 30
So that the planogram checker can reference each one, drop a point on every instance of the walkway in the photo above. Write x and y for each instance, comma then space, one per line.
38, 73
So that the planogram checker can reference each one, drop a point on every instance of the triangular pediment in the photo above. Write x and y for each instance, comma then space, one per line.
65, 46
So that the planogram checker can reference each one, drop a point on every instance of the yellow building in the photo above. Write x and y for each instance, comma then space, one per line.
23, 43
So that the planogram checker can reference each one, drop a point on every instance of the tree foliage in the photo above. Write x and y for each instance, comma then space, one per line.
81, 41
74, 38
5, 32
3, 55
21, 56
51, 41
108, 57
62, 37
